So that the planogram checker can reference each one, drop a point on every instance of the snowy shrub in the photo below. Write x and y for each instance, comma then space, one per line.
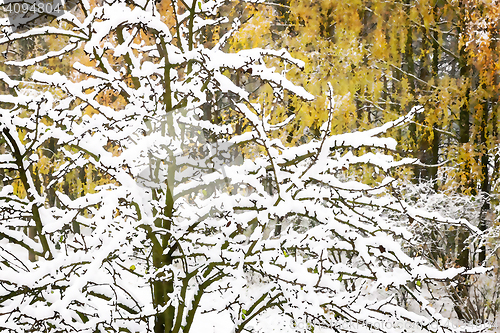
171, 233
